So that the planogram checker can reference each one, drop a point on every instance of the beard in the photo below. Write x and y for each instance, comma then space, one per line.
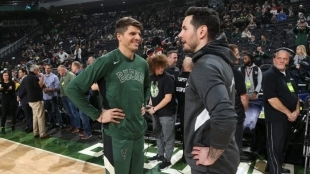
191, 45
248, 63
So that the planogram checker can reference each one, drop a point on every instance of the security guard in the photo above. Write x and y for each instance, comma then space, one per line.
281, 104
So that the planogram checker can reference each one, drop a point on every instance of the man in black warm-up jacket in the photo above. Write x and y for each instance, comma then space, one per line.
210, 118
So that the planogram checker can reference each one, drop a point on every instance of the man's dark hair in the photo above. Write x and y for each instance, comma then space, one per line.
122, 25
171, 51
205, 16
50, 65
250, 56
23, 70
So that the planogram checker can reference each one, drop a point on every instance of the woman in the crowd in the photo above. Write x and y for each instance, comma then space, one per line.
246, 34
8, 100
301, 54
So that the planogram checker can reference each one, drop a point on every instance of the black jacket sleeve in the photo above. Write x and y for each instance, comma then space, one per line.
22, 90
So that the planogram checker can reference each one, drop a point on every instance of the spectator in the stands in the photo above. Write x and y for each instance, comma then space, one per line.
274, 11
252, 25
281, 16
252, 40
62, 56
236, 34
246, 34
301, 9
249, 17
263, 40
266, 5
84, 53
301, 54
260, 57
291, 11
273, 21
301, 16
284, 9
90, 60
301, 31
266, 17
77, 54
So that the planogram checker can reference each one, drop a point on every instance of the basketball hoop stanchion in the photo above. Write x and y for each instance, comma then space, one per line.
306, 148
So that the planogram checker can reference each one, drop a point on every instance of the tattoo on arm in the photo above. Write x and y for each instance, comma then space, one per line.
214, 154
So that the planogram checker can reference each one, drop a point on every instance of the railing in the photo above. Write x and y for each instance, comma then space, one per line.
18, 44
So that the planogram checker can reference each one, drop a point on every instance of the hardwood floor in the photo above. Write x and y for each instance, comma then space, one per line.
16, 158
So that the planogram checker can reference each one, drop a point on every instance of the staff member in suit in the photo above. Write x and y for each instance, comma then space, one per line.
22, 97
281, 104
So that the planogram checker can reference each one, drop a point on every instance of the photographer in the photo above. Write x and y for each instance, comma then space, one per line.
301, 31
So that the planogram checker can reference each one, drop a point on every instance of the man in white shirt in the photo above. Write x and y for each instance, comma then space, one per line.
62, 56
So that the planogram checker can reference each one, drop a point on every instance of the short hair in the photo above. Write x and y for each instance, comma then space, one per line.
171, 52
77, 64
62, 67
122, 24
205, 16
280, 51
49, 65
232, 47
33, 67
157, 61
23, 70
92, 57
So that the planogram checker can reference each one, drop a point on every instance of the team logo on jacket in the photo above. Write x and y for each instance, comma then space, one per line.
154, 89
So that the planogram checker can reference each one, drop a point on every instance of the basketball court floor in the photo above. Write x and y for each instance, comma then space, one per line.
65, 153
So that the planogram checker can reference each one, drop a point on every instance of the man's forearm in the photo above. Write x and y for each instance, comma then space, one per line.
277, 104
245, 101
214, 154
297, 106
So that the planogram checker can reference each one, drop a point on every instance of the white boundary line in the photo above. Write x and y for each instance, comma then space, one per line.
54, 153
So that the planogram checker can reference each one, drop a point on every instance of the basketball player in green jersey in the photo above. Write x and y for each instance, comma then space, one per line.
124, 82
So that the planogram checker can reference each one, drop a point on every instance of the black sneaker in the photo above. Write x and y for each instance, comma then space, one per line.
156, 158
163, 165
